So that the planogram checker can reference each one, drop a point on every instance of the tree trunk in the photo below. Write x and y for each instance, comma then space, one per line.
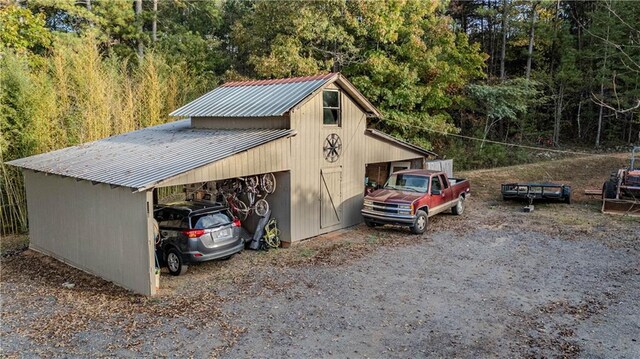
558, 116
600, 115
504, 39
578, 117
139, 18
154, 25
531, 37
484, 44
604, 67
492, 42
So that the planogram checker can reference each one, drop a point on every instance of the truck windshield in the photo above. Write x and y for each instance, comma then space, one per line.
408, 183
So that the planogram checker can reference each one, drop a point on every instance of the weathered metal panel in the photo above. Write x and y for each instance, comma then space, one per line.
240, 122
445, 166
96, 228
141, 159
262, 159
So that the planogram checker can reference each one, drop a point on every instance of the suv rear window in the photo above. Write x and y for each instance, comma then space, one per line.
210, 220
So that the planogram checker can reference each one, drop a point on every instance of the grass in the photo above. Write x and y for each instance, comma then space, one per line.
588, 172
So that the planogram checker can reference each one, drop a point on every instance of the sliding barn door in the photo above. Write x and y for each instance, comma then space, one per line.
330, 196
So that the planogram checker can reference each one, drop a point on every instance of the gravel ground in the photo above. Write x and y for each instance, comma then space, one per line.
483, 294
563, 281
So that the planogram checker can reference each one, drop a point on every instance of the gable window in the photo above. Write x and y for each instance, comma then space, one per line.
331, 107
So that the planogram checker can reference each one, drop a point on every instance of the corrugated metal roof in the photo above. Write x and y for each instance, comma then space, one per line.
140, 159
408, 145
261, 98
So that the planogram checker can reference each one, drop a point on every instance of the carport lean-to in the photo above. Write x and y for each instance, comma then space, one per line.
91, 205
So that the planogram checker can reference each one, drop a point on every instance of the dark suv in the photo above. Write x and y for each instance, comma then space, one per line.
195, 232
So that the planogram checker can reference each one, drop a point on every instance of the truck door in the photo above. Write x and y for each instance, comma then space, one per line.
448, 192
437, 195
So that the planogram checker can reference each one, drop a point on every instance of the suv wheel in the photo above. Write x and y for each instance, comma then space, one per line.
420, 224
175, 264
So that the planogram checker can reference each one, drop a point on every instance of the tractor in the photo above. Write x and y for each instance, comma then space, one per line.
621, 193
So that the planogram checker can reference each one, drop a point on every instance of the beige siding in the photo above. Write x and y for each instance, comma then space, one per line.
270, 157
239, 122
280, 204
96, 228
379, 150
307, 161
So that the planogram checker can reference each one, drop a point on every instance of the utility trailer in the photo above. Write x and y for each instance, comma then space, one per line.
536, 191
621, 193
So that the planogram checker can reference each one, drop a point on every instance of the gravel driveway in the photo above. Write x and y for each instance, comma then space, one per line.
563, 281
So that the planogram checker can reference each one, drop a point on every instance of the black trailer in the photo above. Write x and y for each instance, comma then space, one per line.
536, 191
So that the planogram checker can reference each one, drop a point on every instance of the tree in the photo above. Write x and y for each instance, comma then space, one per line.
22, 31
504, 101
402, 55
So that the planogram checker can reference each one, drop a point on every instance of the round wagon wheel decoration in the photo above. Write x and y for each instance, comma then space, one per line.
332, 147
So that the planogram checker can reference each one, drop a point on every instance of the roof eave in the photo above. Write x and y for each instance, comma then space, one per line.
357, 95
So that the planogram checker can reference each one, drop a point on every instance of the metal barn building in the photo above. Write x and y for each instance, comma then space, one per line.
91, 205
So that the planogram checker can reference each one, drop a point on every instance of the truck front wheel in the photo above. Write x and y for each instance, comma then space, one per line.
370, 223
459, 207
420, 225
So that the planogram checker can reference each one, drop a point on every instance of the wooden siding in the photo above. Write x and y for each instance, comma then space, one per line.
270, 157
102, 230
239, 122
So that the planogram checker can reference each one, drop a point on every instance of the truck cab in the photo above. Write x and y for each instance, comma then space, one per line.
410, 197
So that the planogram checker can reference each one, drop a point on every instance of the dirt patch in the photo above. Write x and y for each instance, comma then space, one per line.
13, 244
562, 281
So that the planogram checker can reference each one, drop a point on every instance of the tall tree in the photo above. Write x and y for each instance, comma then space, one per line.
532, 28
503, 50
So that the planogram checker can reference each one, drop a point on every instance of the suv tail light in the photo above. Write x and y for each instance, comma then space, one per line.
236, 223
193, 233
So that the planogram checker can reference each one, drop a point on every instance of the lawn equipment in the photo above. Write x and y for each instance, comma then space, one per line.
621, 193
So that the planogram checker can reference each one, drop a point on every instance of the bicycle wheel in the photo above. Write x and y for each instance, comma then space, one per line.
261, 207
272, 239
268, 183
241, 209
252, 183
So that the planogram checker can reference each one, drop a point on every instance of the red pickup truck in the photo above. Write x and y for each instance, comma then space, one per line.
410, 197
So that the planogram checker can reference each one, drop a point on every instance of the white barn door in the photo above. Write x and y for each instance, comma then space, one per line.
330, 196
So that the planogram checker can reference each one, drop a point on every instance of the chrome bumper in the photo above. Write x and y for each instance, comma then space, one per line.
390, 218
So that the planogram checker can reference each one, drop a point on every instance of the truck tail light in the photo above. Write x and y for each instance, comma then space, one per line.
236, 223
193, 233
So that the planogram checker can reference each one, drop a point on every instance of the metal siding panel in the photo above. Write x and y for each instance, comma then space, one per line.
98, 229
378, 150
239, 165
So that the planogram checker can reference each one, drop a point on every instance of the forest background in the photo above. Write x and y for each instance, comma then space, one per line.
554, 74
